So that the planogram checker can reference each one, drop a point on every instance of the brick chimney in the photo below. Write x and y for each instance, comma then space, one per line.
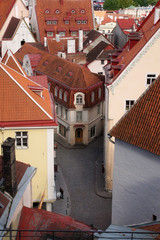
9, 166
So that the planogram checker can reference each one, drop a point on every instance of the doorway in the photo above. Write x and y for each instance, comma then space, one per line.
79, 135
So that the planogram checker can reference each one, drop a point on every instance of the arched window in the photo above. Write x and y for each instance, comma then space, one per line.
60, 93
56, 91
99, 92
65, 96
79, 99
92, 97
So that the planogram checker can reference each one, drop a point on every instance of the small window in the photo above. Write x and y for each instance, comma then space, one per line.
78, 22
57, 11
79, 116
73, 11
59, 69
129, 104
99, 92
56, 108
100, 73
65, 96
66, 114
150, 78
62, 34
102, 62
46, 11
79, 99
92, 97
62, 130
53, 22
154, 217
56, 91
82, 11
50, 34
74, 33
93, 131
60, 93
66, 21
83, 21
22, 139
85, 32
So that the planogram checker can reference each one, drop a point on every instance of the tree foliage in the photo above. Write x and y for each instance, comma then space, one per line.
117, 4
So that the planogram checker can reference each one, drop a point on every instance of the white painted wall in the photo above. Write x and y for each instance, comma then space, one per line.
136, 188
23, 33
96, 66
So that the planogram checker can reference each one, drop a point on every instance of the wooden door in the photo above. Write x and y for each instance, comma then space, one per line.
79, 135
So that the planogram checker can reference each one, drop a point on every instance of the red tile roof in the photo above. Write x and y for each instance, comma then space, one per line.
19, 104
141, 125
126, 23
36, 219
65, 8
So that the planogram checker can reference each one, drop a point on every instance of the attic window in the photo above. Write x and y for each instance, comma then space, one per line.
36, 89
59, 69
82, 11
73, 11
46, 11
57, 11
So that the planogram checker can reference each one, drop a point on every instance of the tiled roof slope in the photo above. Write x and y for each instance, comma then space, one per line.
91, 36
65, 7
91, 56
71, 74
6, 7
126, 23
19, 104
147, 30
11, 28
141, 125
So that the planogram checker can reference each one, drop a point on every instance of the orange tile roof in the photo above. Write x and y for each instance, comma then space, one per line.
126, 23
65, 7
19, 103
141, 125
48, 65
6, 7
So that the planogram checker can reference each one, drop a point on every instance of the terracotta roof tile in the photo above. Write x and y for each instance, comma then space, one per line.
18, 102
141, 125
126, 23
6, 7
65, 7
91, 56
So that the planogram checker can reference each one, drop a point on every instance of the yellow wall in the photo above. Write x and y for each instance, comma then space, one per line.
35, 155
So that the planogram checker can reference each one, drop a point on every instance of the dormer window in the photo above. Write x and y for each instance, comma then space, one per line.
59, 69
79, 99
57, 11
69, 74
92, 97
46, 11
66, 21
82, 11
36, 89
73, 11
56, 91
60, 94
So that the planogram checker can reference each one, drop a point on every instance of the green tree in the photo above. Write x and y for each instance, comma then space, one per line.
111, 4
125, 3
145, 2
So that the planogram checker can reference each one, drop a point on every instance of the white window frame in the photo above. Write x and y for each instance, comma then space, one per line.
150, 77
21, 136
129, 104
50, 34
79, 99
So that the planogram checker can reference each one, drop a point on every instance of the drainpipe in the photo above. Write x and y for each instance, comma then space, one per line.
105, 135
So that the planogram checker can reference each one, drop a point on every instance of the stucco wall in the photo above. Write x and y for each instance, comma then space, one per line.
96, 66
37, 155
136, 188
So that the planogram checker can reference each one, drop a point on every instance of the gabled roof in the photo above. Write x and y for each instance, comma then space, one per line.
62, 10
91, 36
141, 125
107, 20
20, 105
12, 26
10, 60
125, 24
70, 74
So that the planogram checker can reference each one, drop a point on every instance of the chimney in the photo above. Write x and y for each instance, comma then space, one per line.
61, 2
9, 166
80, 40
